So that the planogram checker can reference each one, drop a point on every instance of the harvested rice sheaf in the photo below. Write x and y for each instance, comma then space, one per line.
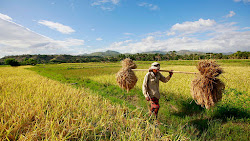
126, 78
128, 63
206, 88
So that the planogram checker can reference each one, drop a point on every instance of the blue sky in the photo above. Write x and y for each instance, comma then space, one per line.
127, 26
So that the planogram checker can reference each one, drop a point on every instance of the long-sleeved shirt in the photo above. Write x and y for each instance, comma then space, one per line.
150, 86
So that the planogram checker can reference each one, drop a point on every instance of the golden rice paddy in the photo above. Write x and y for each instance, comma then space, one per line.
33, 107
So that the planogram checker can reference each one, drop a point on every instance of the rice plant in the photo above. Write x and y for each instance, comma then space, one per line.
33, 107
179, 114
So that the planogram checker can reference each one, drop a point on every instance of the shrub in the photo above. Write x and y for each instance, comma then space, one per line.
12, 62
29, 61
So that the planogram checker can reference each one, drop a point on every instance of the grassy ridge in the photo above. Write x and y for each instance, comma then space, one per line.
33, 107
180, 116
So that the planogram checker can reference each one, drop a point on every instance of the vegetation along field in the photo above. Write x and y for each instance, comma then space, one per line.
89, 105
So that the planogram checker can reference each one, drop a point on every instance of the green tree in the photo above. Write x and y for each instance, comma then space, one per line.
12, 62
31, 62
121, 56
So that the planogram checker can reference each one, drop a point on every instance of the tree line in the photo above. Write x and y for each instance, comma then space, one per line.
174, 56
41, 59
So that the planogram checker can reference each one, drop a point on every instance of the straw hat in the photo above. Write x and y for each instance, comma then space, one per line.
155, 66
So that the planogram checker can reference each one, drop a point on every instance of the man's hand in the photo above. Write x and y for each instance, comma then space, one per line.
171, 73
147, 98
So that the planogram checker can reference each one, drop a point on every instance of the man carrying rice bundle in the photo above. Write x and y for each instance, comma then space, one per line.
150, 87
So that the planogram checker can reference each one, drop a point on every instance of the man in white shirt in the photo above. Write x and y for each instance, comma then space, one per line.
150, 86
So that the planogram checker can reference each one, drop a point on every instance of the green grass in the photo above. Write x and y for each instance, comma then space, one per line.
234, 62
228, 120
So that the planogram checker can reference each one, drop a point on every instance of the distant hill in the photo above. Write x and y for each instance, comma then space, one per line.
181, 52
228, 53
109, 53
188, 52
154, 52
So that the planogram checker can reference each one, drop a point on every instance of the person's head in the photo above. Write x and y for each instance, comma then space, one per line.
155, 70
155, 67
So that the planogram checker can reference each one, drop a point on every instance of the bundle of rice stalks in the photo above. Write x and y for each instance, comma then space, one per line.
206, 88
128, 63
209, 68
126, 78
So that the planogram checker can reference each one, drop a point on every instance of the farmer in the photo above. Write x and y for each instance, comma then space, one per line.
150, 87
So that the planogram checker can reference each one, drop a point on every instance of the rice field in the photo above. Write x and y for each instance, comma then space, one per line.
179, 115
234, 77
33, 107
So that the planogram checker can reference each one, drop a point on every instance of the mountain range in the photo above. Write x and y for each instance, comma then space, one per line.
104, 54
115, 53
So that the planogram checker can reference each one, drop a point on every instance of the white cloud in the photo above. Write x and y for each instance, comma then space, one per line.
115, 1
57, 26
107, 5
171, 33
246, 28
221, 43
151, 44
98, 2
128, 34
231, 14
158, 34
107, 8
222, 28
201, 27
193, 27
101, 2
16, 39
119, 44
245, 1
149, 6
70, 42
212, 37
99, 39
5, 17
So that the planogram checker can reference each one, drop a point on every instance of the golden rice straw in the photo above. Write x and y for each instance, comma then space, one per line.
126, 78
206, 88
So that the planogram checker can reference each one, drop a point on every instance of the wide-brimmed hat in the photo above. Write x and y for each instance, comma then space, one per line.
155, 66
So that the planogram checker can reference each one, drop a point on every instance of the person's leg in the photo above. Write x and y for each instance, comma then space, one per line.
156, 112
154, 106
150, 109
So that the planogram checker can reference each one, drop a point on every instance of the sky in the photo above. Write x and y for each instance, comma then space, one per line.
128, 26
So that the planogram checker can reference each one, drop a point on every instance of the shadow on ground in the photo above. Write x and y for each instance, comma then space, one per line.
182, 106
224, 112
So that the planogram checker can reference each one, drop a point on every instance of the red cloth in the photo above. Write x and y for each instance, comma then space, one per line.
154, 105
